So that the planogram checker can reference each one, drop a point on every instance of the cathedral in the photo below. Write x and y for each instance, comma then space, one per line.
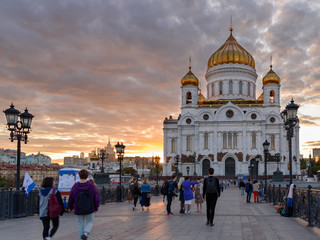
226, 129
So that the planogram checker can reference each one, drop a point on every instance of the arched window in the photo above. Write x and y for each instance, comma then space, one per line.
188, 170
220, 88
206, 140
254, 142
188, 143
272, 97
272, 142
212, 89
229, 140
249, 89
189, 98
224, 140
240, 87
235, 142
230, 87
173, 145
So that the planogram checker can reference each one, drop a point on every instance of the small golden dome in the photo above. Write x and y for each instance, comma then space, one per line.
231, 52
271, 77
94, 157
201, 98
189, 79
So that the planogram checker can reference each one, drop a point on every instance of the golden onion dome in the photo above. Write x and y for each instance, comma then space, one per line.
201, 98
189, 79
231, 52
271, 77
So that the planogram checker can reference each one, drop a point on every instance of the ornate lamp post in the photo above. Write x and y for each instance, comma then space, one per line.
290, 119
19, 130
266, 153
102, 155
120, 152
195, 161
157, 162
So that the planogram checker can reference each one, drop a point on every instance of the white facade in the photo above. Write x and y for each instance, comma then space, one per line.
227, 129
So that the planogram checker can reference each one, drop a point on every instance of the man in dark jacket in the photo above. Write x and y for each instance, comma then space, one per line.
172, 186
84, 199
211, 192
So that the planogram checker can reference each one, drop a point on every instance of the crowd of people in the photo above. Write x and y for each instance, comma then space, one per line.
249, 188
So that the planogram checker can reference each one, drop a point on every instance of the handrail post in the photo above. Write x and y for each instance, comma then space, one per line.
309, 207
2, 204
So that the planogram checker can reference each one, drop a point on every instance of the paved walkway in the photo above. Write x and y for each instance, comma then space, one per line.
234, 219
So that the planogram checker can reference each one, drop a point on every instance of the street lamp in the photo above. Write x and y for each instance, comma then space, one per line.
266, 153
157, 162
120, 152
290, 119
19, 125
194, 167
102, 156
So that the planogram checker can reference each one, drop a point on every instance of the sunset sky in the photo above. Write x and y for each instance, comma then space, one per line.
94, 70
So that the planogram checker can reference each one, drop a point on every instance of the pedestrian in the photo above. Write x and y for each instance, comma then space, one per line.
47, 189
248, 189
145, 194
181, 198
172, 186
255, 191
211, 192
221, 186
242, 185
198, 196
187, 193
135, 190
164, 189
84, 200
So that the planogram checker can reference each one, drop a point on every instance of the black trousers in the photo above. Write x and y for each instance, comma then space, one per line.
135, 200
46, 226
169, 201
211, 200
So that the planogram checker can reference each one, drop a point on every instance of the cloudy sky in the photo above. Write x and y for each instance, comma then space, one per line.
94, 70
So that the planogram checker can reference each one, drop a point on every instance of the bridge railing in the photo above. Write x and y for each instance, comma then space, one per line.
305, 202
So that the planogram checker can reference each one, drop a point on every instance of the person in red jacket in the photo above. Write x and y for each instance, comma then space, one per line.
84, 200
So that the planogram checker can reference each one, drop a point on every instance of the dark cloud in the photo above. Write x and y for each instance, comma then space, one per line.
93, 70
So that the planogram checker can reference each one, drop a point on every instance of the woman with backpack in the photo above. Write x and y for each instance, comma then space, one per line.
84, 200
50, 211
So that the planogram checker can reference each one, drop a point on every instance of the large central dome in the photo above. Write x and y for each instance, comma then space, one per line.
231, 52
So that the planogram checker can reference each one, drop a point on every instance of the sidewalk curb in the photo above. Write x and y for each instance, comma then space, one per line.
304, 223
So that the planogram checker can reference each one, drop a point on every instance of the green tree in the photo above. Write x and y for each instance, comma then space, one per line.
128, 170
303, 164
315, 167
153, 171
3, 182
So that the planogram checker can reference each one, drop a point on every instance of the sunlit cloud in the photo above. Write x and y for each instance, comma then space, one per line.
91, 71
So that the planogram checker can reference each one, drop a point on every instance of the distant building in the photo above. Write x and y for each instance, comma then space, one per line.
9, 156
74, 161
141, 162
110, 151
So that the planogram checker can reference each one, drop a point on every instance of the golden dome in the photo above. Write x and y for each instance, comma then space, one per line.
271, 78
231, 52
189, 79
201, 98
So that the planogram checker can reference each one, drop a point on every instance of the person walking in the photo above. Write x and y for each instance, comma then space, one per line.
146, 195
198, 196
171, 192
47, 189
84, 200
164, 189
135, 190
255, 191
221, 186
211, 192
248, 188
181, 198
242, 185
187, 193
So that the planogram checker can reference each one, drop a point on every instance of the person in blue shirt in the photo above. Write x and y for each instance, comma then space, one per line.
146, 196
171, 193
188, 195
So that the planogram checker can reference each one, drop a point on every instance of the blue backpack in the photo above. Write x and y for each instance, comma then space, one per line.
247, 187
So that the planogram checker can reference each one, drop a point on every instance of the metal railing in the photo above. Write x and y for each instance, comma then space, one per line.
15, 204
305, 202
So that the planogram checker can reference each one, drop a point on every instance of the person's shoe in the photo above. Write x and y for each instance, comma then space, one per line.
168, 214
133, 208
171, 213
84, 236
47, 238
207, 223
211, 224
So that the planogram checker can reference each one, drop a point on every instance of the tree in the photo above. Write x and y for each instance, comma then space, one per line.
128, 170
153, 171
303, 164
315, 167
3, 182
